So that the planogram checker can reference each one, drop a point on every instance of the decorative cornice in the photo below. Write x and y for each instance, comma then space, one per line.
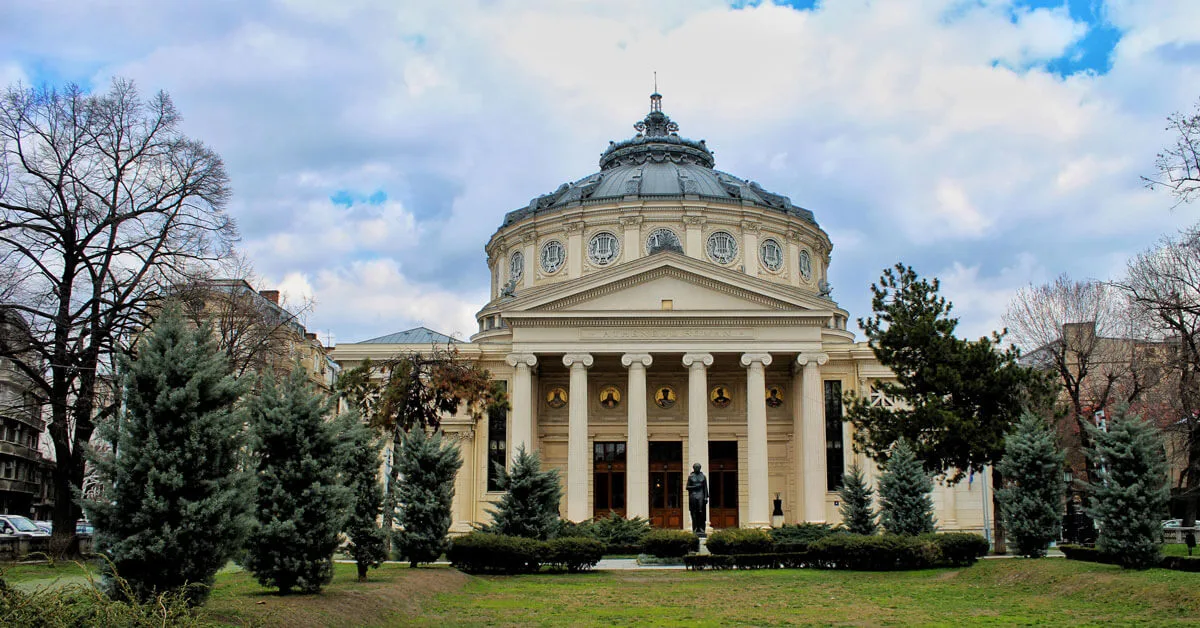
674, 273
583, 360
700, 360
572, 227
630, 221
694, 221
658, 321
521, 359
749, 359
751, 226
644, 359
817, 359
529, 236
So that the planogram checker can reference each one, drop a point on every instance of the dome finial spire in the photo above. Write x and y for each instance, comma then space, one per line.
655, 98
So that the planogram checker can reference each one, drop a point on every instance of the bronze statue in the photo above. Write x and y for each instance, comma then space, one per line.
697, 488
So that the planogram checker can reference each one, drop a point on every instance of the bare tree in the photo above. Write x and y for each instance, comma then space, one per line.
104, 205
1164, 283
255, 329
1179, 165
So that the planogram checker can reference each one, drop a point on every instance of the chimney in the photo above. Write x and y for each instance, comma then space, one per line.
270, 295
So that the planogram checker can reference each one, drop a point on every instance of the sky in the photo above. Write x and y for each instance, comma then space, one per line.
375, 146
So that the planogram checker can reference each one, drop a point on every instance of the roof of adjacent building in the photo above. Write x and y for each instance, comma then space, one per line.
414, 336
658, 163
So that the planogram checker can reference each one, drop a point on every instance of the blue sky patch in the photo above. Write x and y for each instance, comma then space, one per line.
349, 198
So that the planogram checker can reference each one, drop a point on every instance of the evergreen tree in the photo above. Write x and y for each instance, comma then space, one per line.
1130, 495
529, 507
905, 504
428, 465
300, 505
1031, 501
858, 516
361, 475
174, 507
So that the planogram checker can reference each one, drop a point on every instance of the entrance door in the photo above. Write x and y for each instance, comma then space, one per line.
722, 484
608, 479
666, 485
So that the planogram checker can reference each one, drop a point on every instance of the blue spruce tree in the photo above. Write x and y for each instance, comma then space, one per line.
300, 505
1032, 499
367, 540
425, 491
858, 515
529, 507
905, 503
174, 509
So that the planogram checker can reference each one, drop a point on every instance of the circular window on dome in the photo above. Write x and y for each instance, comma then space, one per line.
553, 256
603, 248
663, 239
805, 265
771, 254
722, 247
516, 266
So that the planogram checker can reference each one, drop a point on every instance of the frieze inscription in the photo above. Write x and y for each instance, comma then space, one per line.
665, 334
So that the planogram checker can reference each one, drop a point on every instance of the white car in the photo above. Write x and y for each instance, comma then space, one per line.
16, 524
1172, 523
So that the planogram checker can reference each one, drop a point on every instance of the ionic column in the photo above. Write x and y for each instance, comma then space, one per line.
578, 508
697, 365
759, 508
637, 446
522, 401
813, 440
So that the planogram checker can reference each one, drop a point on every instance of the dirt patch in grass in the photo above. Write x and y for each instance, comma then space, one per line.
393, 595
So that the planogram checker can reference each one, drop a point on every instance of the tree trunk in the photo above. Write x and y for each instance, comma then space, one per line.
997, 522
362, 572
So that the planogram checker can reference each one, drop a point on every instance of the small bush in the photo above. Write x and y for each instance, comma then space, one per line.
1181, 563
960, 549
700, 562
670, 543
87, 605
790, 538
875, 553
620, 535
482, 552
740, 541
1087, 554
573, 554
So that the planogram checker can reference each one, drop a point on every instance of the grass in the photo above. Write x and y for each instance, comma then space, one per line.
1177, 549
1007, 591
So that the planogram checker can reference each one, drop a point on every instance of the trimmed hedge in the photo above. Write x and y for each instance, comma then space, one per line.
960, 549
740, 541
620, 535
1093, 555
875, 553
796, 537
670, 543
482, 552
573, 554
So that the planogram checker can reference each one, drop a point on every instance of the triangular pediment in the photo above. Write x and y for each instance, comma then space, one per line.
666, 281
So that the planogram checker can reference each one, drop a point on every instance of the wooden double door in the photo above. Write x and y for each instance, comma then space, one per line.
722, 484
668, 499
666, 484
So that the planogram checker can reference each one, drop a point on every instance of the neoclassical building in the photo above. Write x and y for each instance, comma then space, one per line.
660, 313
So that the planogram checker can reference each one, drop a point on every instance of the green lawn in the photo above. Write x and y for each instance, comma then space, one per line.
994, 592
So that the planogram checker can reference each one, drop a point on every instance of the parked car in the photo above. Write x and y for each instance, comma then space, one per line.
1172, 523
16, 524
84, 527
46, 526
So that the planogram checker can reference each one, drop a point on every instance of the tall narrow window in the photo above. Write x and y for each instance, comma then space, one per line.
834, 462
497, 443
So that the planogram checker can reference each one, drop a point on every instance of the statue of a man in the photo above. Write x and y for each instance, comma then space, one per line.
697, 488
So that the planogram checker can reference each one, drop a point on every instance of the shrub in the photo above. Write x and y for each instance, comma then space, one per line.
875, 553
86, 605
620, 535
790, 538
482, 552
1086, 554
573, 554
740, 541
1032, 498
670, 543
529, 507
960, 549
698, 562
1181, 563
1129, 494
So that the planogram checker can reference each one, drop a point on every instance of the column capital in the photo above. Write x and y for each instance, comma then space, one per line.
521, 359
819, 359
752, 358
644, 359
582, 360
701, 360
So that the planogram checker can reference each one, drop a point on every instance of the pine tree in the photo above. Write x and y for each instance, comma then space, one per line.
529, 507
1130, 495
174, 508
1031, 502
427, 466
300, 505
361, 476
905, 504
858, 516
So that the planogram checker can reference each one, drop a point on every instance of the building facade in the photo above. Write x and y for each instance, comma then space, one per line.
660, 313
25, 487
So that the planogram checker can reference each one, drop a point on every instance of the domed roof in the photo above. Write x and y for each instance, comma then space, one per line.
658, 163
